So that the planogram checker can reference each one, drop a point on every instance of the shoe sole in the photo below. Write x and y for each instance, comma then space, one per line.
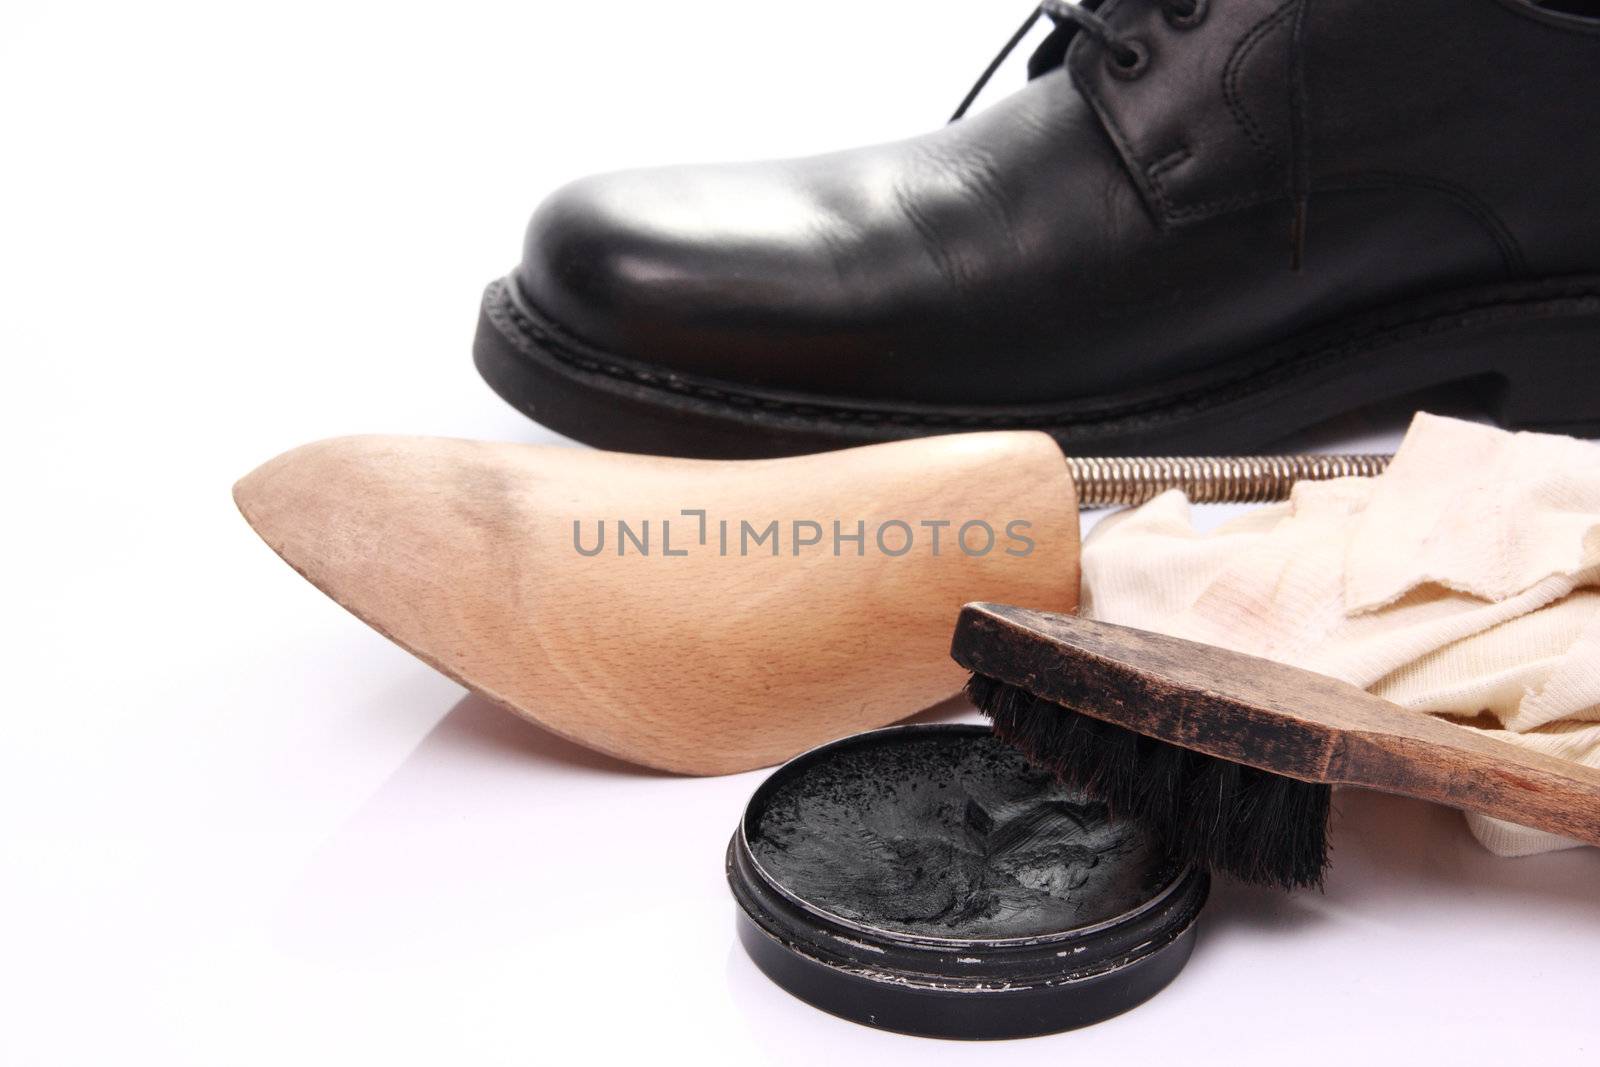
1529, 349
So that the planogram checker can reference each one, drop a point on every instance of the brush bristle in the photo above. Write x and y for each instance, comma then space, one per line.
1257, 826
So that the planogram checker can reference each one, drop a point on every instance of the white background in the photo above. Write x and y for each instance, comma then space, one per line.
238, 827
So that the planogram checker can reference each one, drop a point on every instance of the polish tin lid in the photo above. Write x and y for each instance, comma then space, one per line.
928, 880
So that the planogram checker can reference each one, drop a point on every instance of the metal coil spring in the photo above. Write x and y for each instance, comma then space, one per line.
1127, 480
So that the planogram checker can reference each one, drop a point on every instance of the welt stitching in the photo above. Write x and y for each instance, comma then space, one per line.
503, 312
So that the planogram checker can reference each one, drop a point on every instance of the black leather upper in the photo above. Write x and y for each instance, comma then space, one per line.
1093, 232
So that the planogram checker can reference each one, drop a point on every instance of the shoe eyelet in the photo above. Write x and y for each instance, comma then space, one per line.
1130, 63
1198, 9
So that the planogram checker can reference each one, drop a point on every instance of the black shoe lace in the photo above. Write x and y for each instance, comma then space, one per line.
1129, 59
1125, 52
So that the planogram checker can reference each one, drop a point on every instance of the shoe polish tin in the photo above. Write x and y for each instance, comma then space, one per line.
928, 880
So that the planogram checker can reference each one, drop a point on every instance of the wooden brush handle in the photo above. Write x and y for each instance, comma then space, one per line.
1273, 716
1417, 755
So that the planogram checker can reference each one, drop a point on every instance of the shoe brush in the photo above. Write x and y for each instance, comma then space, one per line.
670, 650
1231, 758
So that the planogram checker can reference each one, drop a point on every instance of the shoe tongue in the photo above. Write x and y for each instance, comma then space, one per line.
1052, 51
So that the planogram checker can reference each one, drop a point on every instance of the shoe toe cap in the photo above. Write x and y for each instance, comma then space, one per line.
694, 269
583, 257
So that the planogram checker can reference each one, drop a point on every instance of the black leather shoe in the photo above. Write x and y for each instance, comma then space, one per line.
1202, 225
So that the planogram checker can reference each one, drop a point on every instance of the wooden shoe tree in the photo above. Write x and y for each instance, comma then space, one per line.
463, 553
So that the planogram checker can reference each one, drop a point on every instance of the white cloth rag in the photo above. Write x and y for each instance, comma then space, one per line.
1463, 582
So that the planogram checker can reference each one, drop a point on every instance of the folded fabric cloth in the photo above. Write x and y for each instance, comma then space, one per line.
1464, 582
